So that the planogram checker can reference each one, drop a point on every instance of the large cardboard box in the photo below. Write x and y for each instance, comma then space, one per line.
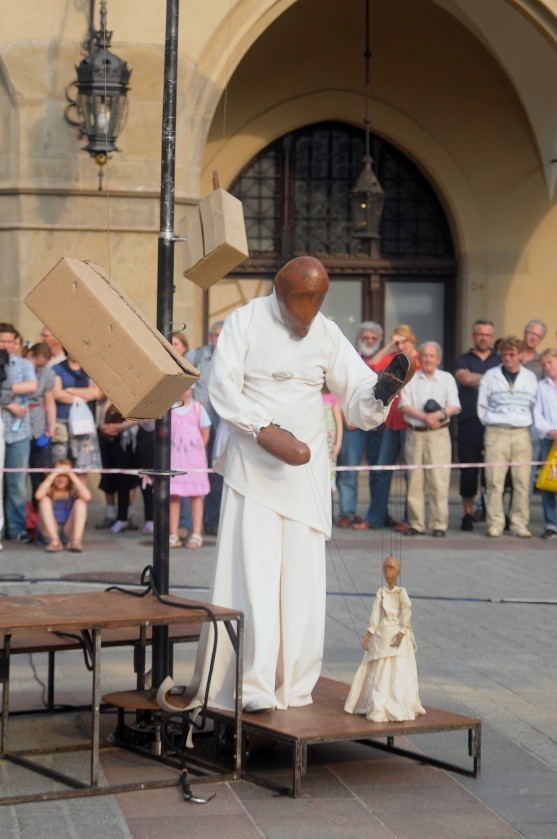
131, 362
224, 239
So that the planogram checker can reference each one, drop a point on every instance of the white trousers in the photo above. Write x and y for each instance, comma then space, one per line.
428, 447
507, 444
272, 569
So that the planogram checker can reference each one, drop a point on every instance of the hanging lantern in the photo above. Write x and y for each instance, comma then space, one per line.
367, 197
101, 103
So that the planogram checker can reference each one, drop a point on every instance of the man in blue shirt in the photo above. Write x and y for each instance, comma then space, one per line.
469, 370
19, 382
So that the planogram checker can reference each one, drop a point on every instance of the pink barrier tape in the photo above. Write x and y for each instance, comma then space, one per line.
402, 467
405, 466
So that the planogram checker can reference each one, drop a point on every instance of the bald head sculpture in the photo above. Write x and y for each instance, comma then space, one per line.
301, 286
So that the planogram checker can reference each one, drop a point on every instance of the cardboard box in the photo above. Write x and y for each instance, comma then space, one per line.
225, 243
131, 362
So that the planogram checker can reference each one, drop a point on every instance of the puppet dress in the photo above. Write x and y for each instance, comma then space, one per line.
385, 687
187, 450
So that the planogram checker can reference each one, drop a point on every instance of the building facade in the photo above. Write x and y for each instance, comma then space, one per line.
271, 96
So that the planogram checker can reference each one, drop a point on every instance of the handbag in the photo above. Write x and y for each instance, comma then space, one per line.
547, 479
80, 419
61, 434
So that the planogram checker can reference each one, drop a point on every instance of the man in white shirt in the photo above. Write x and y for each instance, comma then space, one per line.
267, 374
506, 400
428, 402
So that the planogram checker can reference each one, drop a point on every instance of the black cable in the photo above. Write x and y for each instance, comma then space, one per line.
148, 579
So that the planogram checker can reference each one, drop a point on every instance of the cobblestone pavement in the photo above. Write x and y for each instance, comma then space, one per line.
485, 618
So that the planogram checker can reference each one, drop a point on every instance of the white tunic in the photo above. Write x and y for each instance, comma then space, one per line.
263, 374
274, 518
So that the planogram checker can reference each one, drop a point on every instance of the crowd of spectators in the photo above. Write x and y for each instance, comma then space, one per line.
41, 385
502, 395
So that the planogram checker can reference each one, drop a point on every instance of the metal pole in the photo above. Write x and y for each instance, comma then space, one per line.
165, 293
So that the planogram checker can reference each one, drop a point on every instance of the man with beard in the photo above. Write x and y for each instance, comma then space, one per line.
355, 441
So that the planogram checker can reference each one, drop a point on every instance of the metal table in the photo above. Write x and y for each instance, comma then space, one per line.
88, 614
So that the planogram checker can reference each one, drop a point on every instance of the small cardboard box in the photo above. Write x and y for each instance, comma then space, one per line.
225, 243
130, 361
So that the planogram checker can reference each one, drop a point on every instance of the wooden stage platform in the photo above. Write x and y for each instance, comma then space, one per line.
326, 722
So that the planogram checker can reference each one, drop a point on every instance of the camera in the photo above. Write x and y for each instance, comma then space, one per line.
4, 364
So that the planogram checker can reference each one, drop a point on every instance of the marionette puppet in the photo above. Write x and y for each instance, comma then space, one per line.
385, 687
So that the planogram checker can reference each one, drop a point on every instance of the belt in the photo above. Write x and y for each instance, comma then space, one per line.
425, 428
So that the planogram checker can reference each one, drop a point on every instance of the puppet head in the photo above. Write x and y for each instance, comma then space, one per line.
391, 570
301, 286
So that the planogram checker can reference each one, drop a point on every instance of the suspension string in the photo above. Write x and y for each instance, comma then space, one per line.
225, 92
323, 516
105, 108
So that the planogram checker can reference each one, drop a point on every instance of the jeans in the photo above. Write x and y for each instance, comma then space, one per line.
17, 457
354, 444
548, 498
40, 456
392, 444
185, 514
211, 510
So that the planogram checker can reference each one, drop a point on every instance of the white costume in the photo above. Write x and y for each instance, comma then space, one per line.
385, 687
275, 517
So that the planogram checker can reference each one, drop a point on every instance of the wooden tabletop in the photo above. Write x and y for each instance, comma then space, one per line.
97, 610
326, 720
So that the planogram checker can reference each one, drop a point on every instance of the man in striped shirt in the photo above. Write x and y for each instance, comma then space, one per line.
506, 400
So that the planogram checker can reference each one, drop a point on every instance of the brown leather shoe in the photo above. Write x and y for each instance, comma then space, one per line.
396, 374
282, 444
344, 522
401, 527
363, 525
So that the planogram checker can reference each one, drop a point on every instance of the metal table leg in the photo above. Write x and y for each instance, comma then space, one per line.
5, 678
96, 707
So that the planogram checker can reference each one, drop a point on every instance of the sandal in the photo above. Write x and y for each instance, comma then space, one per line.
54, 546
75, 546
195, 541
174, 542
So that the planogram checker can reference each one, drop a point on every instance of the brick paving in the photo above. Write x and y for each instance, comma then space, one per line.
484, 616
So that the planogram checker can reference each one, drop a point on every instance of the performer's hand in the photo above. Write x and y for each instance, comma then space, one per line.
283, 445
366, 640
397, 640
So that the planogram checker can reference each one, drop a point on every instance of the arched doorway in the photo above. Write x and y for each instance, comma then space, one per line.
296, 200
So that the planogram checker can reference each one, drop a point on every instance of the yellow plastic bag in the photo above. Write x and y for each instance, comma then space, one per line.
547, 479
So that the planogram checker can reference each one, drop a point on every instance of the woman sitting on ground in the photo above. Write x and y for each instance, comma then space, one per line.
63, 500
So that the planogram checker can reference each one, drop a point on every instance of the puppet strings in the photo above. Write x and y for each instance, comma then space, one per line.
324, 521
396, 538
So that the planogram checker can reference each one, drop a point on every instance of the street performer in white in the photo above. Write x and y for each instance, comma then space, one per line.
267, 375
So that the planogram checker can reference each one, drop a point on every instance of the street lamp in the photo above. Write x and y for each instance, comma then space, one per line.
102, 86
367, 197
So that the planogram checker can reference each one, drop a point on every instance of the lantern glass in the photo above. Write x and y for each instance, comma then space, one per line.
367, 201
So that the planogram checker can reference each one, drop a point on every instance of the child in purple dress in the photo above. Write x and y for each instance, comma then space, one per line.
189, 434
